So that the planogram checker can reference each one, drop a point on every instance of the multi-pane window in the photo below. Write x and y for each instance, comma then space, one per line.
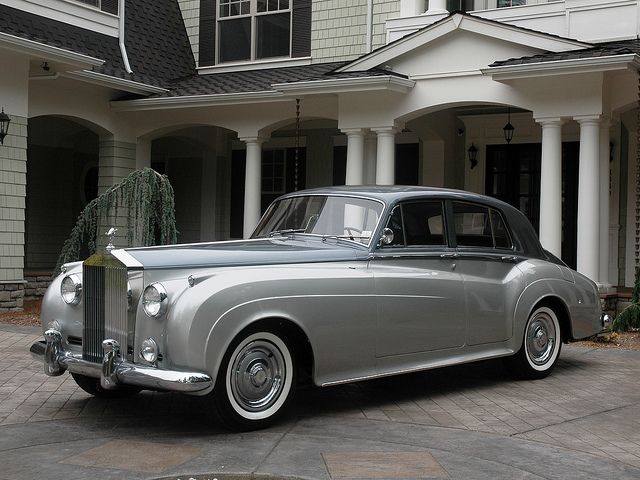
253, 29
273, 171
108, 6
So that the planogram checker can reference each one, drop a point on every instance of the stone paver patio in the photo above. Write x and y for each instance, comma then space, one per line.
587, 408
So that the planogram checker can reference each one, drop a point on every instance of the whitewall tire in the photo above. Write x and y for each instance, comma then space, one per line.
541, 345
255, 381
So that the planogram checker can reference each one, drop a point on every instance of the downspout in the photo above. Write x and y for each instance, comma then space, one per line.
123, 49
369, 26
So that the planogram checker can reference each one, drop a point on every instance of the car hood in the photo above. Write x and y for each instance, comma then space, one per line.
269, 251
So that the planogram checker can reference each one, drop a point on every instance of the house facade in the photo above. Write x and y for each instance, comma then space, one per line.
239, 101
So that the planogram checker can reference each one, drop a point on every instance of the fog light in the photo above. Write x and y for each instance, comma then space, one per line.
149, 350
71, 289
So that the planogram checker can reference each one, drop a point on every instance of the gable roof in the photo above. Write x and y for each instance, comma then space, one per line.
464, 22
155, 38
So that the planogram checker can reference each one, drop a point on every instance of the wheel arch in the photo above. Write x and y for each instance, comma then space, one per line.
560, 308
296, 338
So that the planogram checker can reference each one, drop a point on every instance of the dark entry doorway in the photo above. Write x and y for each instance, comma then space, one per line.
513, 175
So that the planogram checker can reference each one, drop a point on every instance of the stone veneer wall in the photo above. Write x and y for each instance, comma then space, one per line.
339, 29
13, 180
191, 15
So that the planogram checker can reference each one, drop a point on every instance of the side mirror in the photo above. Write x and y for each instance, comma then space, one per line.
387, 237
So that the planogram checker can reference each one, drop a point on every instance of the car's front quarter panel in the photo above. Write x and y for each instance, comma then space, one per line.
330, 302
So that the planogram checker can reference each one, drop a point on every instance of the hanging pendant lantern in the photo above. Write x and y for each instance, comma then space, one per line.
508, 128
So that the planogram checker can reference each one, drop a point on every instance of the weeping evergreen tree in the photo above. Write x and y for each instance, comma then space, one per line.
148, 200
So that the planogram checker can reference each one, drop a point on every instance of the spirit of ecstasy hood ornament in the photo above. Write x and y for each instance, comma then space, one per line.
111, 233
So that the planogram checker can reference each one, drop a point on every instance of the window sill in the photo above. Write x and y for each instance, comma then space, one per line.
255, 65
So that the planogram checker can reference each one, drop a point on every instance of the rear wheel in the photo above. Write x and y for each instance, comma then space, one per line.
541, 345
255, 382
92, 386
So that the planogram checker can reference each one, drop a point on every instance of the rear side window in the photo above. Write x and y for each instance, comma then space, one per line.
480, 226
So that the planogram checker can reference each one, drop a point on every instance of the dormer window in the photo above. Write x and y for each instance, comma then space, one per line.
253, 29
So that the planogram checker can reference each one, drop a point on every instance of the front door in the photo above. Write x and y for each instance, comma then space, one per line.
418, 289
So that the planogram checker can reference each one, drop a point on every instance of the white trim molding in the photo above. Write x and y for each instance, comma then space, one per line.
190, 101
54, 54
255, 65
563, 67
342, 85
537, 40
114, 82
72, 13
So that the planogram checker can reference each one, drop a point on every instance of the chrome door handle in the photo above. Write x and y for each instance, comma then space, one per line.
510, 259
449, 255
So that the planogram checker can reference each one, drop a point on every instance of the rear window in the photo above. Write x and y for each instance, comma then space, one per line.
480, 226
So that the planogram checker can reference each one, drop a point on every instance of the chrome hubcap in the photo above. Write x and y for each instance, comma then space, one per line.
257, 376
541, 339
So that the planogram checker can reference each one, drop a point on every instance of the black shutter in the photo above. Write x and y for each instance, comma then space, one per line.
207, 42
109, 6
301, 35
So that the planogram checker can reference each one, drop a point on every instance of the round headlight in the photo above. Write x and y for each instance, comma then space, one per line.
149, 350
71, 289
154, 300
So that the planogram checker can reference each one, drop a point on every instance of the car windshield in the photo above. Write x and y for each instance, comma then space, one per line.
331, 216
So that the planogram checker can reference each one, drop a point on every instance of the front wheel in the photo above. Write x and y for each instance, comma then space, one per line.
255, 381
541, 346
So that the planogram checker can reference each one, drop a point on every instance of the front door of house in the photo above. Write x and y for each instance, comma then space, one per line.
513, 175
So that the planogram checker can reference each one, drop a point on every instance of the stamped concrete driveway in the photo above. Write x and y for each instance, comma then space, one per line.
469, 422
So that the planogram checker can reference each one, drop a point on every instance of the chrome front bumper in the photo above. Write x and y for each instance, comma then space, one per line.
113, 370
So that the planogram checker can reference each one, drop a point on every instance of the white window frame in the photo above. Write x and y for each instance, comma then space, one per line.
253, 13
272, 176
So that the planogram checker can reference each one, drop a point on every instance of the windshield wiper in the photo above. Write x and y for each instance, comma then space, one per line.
286, 232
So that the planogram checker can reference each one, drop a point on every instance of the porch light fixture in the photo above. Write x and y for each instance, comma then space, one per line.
4, 125
473, 156
508, 128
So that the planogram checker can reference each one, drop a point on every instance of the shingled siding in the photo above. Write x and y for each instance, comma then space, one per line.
117, 160
339, 29
382, 11
190, 14
13, 179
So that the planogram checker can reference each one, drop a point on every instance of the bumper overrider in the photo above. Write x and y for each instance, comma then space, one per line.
114, 371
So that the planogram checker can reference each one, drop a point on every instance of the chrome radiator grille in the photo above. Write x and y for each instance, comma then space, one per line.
105, 309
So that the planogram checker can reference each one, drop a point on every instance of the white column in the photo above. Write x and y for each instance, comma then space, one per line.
551, 185
410, 8
385, 164
437, 6
604, 202
370, 154
252, 184
355, 156
588, 248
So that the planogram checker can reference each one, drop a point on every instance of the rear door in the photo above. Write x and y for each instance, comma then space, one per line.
487, 262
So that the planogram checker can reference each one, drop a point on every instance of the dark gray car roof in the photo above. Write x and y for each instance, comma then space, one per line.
524, 235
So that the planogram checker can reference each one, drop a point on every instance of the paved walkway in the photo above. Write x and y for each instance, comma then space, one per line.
469, 422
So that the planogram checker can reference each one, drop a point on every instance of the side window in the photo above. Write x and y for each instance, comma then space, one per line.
479, 226
418, 224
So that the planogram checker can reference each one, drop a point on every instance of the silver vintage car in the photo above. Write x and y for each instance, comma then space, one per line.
336, 285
